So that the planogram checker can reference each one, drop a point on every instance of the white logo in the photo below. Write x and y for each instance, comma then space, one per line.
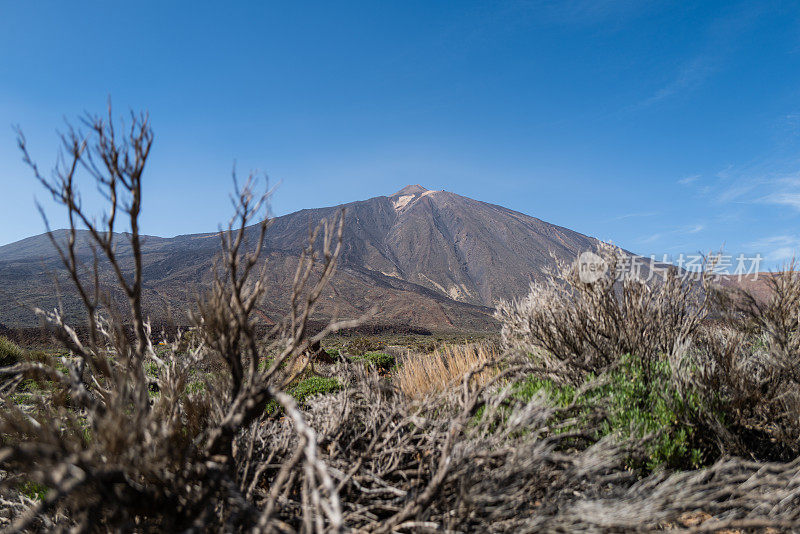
591, 267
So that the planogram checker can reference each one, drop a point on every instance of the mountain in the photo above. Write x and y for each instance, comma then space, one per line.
427, 259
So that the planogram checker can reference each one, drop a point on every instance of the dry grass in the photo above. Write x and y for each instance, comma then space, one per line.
423, 374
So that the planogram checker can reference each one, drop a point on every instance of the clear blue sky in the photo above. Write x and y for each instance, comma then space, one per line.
664, 127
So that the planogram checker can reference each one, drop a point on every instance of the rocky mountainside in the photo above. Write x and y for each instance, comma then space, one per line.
427, 259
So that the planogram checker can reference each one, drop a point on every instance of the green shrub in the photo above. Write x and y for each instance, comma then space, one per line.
195, 387
379, 360
28, 385
23, 398
315, 385
33, 490
560, 395
635, 408
307, 388
10, 353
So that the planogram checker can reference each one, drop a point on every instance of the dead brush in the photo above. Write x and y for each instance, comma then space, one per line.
776, 318
471, 455
749, 366
476, 457
119, 448
421, 375
575, 327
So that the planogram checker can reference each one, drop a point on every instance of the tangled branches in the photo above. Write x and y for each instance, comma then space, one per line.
126, 435
579, 326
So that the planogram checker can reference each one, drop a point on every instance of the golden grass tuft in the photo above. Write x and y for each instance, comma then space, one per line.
423, 374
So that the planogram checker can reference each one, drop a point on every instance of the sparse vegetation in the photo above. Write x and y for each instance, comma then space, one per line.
361, 345
306, 389
378, 360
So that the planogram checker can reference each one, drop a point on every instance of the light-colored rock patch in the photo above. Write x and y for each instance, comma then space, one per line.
438, 286
458, 293
405, 200
401, 202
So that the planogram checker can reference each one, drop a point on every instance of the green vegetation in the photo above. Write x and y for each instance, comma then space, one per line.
195, 387
315, 385
638, 407
33, 490
635, 408
378, 360
10, 353
308, 388
151, 369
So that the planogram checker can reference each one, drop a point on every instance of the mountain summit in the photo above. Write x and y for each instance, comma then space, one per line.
408, 195
413, 190
430, 259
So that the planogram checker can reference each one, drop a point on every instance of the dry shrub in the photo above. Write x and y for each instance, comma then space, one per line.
575, 327
774, 321
476, 457
749, 367
124, 437
423, 374
473, 456
742, 369
739, 373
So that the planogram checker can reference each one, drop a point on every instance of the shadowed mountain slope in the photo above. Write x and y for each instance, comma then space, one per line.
429, 259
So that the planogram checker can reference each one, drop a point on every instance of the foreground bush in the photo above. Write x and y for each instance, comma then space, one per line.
575, 327
749, 368
125, 437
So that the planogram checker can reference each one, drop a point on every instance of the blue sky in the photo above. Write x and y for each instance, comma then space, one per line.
664, 127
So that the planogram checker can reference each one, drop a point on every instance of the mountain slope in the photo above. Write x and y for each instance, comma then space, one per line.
429, 259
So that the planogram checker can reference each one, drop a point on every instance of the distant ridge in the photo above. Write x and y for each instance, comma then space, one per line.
428, 259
